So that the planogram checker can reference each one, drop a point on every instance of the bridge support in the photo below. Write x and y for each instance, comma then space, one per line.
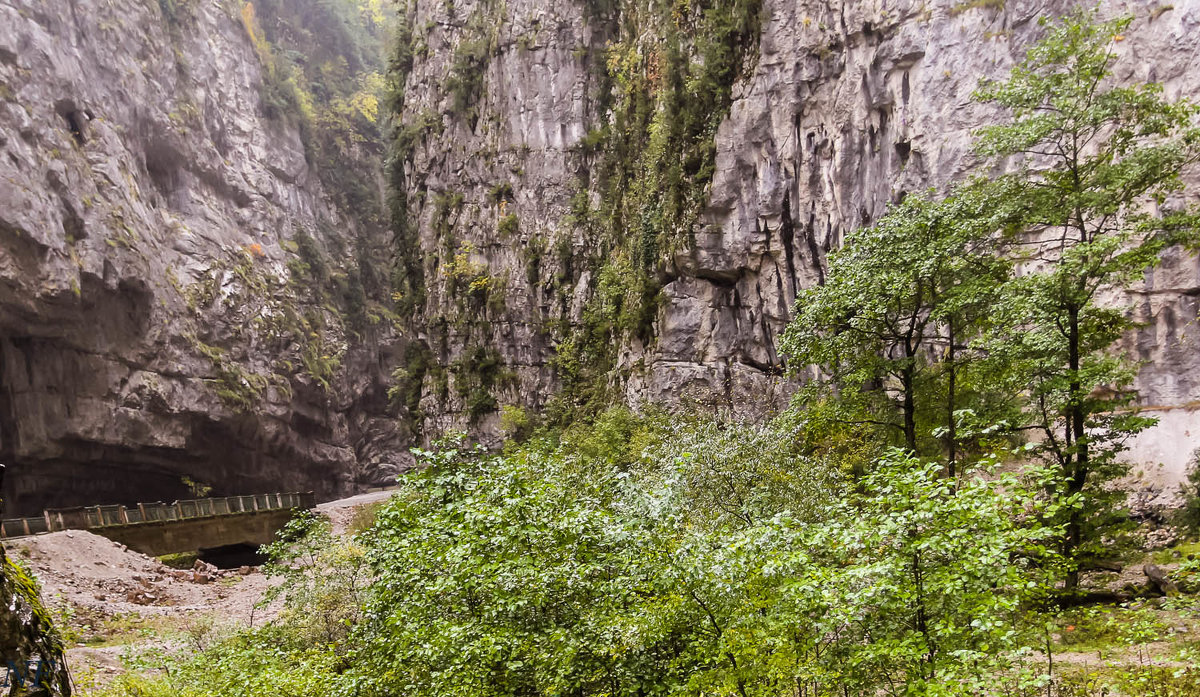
192, 534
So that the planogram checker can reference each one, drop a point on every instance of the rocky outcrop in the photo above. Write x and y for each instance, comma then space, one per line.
842, 108
159, 331
186, 300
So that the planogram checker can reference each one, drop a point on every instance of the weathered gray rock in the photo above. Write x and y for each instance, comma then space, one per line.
134, 163
135, 167
849, 105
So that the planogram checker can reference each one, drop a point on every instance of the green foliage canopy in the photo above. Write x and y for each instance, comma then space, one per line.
890, 331
1096, 169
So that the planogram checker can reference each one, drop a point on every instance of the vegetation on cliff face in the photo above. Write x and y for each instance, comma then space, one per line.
666, 80
408, 270
926, 322
281, 328
30, 647
453, 272
323, 72
662, 82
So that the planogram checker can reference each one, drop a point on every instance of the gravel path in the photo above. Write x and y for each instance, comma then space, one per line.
342, 511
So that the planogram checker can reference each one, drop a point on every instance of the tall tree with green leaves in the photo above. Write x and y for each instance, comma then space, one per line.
1094, 169
890, 331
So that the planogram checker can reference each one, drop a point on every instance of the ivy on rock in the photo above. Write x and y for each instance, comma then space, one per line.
666, 80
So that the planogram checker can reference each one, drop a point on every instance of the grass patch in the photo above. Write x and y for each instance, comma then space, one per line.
1178, 553
976, 5
1105, 629
183, 560
364, 517
120, 630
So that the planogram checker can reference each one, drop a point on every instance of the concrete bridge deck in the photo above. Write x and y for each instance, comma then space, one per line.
183, 526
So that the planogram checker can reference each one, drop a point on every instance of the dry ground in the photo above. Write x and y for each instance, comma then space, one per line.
114, 604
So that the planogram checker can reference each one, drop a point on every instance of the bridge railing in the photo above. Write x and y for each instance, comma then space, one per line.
90, 517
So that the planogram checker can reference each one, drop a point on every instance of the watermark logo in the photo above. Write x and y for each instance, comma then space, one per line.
26, 674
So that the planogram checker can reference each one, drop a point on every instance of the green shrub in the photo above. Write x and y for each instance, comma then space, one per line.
515, 423
552, 571
509, 226
467, 71
1187, 518
501, 192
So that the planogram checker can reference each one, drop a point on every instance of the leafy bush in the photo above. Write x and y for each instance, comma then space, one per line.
650, 555
509, 226
324, 582
515, 423
1188, 516
551, 572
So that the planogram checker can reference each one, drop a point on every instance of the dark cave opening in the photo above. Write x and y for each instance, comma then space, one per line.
33, 486
75, 124
232, 556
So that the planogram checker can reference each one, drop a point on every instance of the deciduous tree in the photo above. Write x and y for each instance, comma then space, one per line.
1096, 171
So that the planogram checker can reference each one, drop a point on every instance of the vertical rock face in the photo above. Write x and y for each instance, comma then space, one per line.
854, 105
481, 153
184, 302
843, 108
156, 332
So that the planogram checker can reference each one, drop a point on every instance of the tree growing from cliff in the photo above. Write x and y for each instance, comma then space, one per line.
1097, 167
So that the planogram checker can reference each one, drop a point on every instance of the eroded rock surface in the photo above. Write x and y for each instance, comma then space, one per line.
148, 328
152, 327
847, 106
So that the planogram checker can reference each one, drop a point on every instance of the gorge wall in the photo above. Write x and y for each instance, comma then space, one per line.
170, 261
213, 275
836, 110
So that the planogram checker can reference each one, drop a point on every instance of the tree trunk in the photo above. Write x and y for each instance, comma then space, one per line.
951, 397
921, 618
910, 410
1078, 465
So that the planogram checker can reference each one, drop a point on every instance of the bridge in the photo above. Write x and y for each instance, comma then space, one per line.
161, 528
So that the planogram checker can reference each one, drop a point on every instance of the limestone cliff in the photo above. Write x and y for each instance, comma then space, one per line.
181, 300
837, 109
589, 201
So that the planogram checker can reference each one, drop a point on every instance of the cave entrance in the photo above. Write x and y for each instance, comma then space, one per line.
76, 122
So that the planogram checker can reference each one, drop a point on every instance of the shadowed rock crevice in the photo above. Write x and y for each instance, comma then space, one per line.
75, 120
